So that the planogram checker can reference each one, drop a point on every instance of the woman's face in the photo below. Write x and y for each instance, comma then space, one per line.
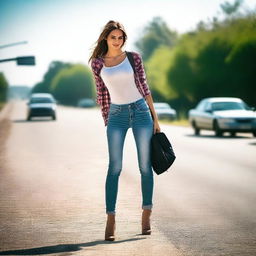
115, 39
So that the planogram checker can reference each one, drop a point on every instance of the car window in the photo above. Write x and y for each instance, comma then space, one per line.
208, 106
246, 106
41, 100
161, 106
201, 105
218, 106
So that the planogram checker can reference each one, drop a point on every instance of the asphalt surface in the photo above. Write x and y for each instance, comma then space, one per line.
52, 191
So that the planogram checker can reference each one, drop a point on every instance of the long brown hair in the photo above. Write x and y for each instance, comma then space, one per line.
101, 45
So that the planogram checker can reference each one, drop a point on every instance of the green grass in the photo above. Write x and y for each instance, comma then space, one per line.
180, 122
2, 105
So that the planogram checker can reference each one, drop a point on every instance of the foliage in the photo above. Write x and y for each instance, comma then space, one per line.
54, 68
72, 84
3, 87
67, 82
216, 62
241, 64
229, 8
157, 65
155, 34
216, 59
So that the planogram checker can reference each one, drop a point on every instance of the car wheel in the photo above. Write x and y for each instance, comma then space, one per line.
254, 134
53, 117
28, 118
233, 134
216, 129
196, 129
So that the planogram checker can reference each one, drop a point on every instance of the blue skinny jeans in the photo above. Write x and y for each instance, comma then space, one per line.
121, 117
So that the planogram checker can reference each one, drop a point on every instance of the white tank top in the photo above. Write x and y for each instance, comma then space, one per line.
120, 82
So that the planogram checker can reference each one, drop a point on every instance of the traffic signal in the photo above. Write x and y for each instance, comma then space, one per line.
26, 60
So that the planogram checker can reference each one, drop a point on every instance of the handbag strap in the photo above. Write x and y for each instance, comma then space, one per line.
131, 60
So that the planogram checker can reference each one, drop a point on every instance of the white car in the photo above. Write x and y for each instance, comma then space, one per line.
164, 111
223, 115
41, 104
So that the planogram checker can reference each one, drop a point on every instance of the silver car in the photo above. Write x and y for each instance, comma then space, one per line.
86, 103
164, 111
223, 115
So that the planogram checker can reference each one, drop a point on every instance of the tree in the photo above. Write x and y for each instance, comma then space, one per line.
3, 87
156, 34
39, 87
72, 84
241, 64
229, 8
53, 70
157, 66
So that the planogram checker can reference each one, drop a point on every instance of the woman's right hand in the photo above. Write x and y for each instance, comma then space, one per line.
157, 128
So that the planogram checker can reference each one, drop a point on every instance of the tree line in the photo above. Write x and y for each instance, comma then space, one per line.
67, 82
216, 59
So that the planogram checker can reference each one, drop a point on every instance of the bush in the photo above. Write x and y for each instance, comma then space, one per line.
3, 88
72, 84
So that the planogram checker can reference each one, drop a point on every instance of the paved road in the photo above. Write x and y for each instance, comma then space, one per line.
52, 191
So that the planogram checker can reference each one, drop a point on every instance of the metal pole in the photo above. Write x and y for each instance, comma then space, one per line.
5, 60
13, 44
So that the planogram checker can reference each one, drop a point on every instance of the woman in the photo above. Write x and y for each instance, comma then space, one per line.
126, 102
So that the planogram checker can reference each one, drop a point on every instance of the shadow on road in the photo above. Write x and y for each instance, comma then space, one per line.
214, 137
60, 248
34, 120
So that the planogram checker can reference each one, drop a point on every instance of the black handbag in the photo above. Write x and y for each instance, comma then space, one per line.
162, 154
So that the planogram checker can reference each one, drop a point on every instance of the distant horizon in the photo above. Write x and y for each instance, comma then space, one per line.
63, 30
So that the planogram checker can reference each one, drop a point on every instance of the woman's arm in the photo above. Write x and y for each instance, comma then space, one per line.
140, 72
103, 97
149, 100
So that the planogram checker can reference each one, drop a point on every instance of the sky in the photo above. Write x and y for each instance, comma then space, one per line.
66, 30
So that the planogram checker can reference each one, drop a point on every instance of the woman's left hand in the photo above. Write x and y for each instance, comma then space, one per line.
156, 127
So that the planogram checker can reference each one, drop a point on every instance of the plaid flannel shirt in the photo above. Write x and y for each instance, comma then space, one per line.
103, 96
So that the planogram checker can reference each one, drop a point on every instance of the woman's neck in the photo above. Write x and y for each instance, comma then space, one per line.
114, 53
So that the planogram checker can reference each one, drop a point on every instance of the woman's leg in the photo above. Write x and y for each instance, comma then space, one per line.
110, 228
143, 130
115, 136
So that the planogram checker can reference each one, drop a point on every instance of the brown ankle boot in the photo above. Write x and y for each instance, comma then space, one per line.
110, 228
146, 230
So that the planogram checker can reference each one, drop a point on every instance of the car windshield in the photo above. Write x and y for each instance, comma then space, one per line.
41, 100
219, 106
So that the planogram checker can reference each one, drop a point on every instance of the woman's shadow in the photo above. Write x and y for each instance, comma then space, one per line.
62, 247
